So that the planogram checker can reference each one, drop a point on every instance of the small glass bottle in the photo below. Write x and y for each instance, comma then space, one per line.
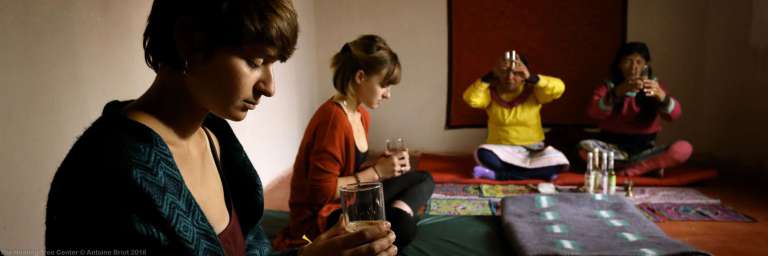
611, 175
596, 175
605, 172
589, 175
628, 189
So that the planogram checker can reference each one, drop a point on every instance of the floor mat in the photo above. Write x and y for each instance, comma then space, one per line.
452, 190
471, 199
489, 190
458, 168
678, 195
659, 204
660, 212
463, 206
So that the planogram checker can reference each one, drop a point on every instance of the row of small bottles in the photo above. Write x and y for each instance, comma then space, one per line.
600, 177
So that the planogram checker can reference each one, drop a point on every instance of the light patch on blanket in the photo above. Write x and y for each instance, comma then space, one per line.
617, 223
567, 244
544, 201
605, 214
598, 197
630, 237
648, 252
550, 215
558, 229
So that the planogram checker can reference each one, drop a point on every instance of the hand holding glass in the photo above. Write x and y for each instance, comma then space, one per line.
511, 57
398, 147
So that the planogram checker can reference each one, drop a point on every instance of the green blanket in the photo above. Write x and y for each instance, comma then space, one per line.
438, 235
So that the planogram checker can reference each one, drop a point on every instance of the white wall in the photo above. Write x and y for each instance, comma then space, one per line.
61, 61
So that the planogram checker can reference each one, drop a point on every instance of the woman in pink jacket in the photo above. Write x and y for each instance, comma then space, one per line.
629, 109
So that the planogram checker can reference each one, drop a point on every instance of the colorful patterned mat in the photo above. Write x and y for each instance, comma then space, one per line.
677, 195
471, 199
659, 204
450, 190
660, 212
463, 206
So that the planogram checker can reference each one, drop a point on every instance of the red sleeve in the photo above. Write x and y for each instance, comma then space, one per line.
600, 106
327, 158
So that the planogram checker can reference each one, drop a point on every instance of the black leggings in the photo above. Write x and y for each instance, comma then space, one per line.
505, 171
414, 188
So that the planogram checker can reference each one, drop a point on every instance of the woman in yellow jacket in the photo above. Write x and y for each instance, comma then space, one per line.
512, 97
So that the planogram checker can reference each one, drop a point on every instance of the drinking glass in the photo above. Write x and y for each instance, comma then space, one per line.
395, 146
511, 57
363, 204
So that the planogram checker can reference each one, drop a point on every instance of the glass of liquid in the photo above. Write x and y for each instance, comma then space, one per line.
363, 205
395, 147
512, 58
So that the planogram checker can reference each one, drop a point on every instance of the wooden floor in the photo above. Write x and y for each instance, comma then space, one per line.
729, 238
718, 238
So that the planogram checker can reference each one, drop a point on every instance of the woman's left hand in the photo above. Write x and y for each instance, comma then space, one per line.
651, 88
393, 164
404, 161
399, 161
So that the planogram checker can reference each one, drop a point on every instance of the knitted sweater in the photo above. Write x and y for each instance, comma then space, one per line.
119, 188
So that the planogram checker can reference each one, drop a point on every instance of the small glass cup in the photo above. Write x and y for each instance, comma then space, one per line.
511, 57
396, 146
363, 205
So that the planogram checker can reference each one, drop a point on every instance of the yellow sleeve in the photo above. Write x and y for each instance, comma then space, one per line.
478, 95
548, 89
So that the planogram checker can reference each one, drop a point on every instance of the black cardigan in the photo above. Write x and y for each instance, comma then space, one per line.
119, 188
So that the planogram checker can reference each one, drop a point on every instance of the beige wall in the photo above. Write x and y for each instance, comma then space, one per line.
713, 56
63, 60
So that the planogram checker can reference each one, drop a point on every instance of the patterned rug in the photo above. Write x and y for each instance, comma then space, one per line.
660, 212
451, 190
471, 199
643, 195
463, 206
659, 204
